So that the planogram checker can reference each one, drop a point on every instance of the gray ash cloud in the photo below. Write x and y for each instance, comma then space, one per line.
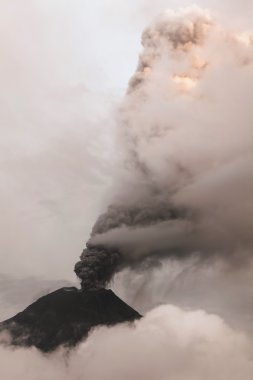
96, 266
186, 135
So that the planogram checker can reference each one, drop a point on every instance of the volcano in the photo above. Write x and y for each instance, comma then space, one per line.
65, 317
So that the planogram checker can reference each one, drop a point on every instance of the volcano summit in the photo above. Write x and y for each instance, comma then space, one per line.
65, 317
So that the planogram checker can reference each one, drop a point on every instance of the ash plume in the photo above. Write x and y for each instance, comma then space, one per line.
97, 266
185, 128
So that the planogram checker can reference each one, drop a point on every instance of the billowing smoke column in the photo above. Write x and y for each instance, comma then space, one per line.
186, 130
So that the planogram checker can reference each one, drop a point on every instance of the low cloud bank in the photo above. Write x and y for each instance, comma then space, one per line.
168, 343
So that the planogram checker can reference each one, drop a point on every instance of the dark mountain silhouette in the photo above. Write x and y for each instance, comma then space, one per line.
65, 317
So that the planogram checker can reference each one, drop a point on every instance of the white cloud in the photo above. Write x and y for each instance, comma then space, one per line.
168, 343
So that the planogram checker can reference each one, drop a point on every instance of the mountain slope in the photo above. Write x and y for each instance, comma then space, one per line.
65, 317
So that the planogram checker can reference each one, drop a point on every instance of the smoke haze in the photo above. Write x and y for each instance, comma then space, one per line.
187, 134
